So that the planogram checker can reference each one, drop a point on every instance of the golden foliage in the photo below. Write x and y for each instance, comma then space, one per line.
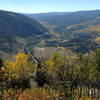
94, 29
33, 94
62, 48
54, 63
36, 94
97, 39
22, 67
88, 98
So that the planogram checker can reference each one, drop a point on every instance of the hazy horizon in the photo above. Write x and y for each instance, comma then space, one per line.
44, 6
49, 12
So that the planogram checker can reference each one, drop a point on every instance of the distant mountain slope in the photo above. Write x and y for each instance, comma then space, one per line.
79, 31
65, 19
17, 30
19, 24
83, 36
44, 16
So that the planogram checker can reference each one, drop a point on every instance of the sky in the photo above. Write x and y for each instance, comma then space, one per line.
43, 6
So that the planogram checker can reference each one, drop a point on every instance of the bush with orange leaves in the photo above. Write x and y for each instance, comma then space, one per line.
33, 94
36, 94
45, 93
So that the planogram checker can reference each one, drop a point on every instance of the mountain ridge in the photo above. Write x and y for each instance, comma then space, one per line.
18, 31
77, 29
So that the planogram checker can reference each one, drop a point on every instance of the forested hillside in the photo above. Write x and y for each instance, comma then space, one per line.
18, 31
79, 31
68, 77
59, 60
65, 19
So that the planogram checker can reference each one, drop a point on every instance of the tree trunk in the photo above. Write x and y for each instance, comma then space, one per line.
80, 92
89, 91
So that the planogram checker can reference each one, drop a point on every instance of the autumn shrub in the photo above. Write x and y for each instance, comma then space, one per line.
22, 67
31, 94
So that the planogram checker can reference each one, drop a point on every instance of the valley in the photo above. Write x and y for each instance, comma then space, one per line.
50, 56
